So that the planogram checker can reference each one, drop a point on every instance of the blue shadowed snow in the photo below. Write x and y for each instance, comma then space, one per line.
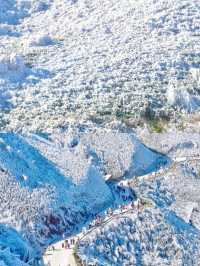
8, 32
162, 197
9, 238
21, 159
145, 160
180, 224
12, 11
138, 253
190, 241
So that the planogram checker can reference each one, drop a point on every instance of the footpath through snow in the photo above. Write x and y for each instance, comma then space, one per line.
66, 253
54, 184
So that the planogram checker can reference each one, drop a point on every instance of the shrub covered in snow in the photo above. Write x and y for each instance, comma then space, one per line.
180, 97
140, 239
41, 40
14, 250
12, 66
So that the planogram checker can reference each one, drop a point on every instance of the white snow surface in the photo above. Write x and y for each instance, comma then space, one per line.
86, 59
67, 60
114, 152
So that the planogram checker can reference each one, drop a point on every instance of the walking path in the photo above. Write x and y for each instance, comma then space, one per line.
176, 161
59, 254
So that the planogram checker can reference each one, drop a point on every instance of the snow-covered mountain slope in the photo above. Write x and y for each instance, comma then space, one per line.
57, 182
183, 142
164, 227
141, 238
26, 164
100, 60
116, 153
182, 180
89, 59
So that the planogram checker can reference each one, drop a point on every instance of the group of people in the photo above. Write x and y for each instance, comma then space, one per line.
128, 201
68, 243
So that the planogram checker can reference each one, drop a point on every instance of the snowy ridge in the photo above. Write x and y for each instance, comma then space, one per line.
113, 152
139, 236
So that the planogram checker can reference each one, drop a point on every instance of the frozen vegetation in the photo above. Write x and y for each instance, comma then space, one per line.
73, 75
116, 153
51, 185
97, 60
13, 249
165, 229
141, 239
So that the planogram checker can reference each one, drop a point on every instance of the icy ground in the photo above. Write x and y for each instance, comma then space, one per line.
62, 60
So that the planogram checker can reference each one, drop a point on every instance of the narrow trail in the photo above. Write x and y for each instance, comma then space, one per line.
164, 171
58, 255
